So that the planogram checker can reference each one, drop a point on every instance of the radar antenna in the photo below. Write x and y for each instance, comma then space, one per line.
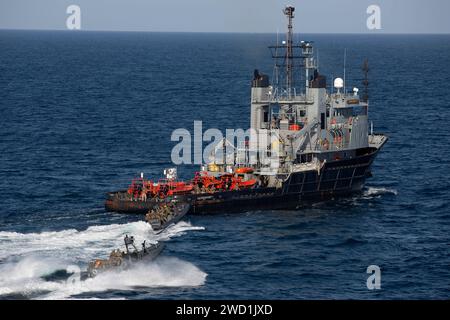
365, 69
345, 70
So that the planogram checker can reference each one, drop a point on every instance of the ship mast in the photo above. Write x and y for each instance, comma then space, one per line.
289, 12
288, 56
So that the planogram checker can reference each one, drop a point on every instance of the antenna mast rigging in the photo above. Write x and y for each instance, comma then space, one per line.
365, 69
289, 12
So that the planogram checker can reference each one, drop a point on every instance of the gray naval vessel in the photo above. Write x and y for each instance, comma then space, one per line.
320, 144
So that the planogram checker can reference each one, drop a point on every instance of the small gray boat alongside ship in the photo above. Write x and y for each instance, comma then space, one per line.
165, 215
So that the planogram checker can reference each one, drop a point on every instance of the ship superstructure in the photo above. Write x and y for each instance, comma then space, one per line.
308, 126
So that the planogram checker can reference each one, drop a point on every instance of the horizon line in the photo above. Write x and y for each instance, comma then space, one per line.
226, 32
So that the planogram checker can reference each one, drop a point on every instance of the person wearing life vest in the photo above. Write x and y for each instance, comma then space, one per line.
326, 144
144, 194
128, 241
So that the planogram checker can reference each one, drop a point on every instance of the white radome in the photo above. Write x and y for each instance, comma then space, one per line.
338, 83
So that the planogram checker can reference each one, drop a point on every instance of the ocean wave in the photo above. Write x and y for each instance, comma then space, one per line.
371, 192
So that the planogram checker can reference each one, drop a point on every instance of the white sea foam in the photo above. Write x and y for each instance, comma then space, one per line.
24, 278
28, 257
375, 192
85, 244
177, 230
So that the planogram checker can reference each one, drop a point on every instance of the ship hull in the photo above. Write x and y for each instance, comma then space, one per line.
336, 179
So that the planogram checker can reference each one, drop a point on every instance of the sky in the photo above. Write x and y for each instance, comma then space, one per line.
261, 16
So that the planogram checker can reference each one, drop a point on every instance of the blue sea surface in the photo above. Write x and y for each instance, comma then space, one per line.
82, 113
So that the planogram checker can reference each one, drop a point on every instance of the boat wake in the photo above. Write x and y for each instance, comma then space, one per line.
28, 261
26, 278
177, 230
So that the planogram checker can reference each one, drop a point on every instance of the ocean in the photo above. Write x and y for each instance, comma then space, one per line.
82, 113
